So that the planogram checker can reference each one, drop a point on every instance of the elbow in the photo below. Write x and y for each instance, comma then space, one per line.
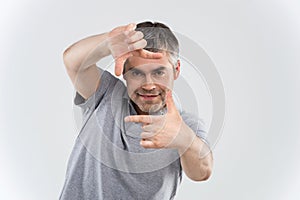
69, 60
205, 175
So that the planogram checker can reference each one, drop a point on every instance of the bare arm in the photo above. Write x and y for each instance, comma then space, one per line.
80, 62
196, 160
86, 52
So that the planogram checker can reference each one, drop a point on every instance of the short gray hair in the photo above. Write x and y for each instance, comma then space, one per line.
160, 38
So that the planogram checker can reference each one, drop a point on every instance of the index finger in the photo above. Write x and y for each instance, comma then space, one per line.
119, 63
130, 27
146, 119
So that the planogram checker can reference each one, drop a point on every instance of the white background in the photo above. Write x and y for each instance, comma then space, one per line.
254, 44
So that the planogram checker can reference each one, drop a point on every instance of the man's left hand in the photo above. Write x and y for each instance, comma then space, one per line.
164, 131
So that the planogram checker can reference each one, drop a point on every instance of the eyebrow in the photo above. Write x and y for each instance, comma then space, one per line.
160, 68
135, 69
157, 69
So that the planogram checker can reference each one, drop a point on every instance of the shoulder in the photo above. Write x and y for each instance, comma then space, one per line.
110, 86
195, 122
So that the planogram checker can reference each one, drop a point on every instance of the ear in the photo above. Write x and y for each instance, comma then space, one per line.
177, 70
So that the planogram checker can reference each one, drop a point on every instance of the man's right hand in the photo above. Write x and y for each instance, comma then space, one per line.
124, 42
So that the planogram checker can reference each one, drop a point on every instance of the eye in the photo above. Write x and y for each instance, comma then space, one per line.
159, 73
136, 73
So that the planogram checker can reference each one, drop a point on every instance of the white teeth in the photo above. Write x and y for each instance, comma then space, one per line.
152, 95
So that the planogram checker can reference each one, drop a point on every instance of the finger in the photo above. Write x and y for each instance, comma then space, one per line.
136, 36
147, 119
125, 29
119, 63
130, 27
148, 54
147, 144
137, 45
147, 135
170, 102
148, 128
154, 127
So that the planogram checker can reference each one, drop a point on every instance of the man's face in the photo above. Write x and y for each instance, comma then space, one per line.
148, 80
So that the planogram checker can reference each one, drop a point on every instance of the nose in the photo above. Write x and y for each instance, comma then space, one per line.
148, 85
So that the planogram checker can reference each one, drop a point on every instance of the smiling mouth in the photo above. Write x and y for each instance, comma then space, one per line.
148, 96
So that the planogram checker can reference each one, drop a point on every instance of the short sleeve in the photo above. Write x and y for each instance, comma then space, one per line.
107, 81
197, 125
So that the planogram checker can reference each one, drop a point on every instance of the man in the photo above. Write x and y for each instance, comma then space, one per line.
134, 142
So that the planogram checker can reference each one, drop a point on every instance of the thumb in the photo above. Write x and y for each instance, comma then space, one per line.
170, 102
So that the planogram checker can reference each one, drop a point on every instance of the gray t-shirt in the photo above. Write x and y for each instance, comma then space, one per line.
107, 161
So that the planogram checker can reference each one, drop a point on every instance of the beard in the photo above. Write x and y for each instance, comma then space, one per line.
146, 102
